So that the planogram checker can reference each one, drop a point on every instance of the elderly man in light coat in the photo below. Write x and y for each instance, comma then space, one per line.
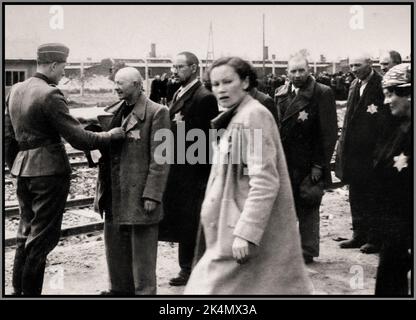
130, 188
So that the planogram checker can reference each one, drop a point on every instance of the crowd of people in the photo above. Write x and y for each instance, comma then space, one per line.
246, 213
339, 82
163, 89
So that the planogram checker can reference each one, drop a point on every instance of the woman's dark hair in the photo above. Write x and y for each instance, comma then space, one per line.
243, 68
400, 91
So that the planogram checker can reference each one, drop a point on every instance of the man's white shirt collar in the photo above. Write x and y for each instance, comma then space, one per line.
183, 90
295, 89
365, 81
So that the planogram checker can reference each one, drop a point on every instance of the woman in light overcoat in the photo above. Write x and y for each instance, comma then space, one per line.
248, 214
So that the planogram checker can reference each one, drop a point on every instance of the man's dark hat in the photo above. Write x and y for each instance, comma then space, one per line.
311, 193
52, 52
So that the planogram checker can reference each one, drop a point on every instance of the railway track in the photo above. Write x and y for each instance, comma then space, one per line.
74, 207
12, 209
79, 207
72, 155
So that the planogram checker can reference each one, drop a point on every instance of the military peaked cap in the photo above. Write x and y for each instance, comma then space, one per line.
52, 52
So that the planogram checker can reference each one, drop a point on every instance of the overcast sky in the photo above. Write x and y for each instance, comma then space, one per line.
126, 31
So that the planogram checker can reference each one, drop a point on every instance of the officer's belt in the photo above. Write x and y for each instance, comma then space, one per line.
34, 145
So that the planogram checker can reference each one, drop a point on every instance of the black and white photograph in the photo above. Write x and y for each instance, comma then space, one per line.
185, 150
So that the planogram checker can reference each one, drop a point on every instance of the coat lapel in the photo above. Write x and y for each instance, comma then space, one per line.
301, 100
179, 103
362, 101
114, 107
369, 87
281, 99
350, 103
129, 122
106, 120
138, 113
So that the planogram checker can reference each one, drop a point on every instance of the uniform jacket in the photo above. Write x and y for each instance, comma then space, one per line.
36, 118
252, 199
308, 128
134, 166
366, 120
186, 183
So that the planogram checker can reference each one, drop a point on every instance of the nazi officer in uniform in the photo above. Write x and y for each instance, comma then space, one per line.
36, 119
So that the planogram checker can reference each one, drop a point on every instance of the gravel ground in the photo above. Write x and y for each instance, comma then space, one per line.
83, 182
71, 218
77, 265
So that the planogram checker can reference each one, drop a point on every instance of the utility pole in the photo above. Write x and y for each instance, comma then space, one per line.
82, 79
210, 49
264, 46
146, 75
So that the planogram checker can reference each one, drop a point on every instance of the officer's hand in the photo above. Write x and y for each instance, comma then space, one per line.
117, 133
316, 174
149, 205
240, 250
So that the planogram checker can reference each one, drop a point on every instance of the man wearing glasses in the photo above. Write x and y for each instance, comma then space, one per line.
192, 107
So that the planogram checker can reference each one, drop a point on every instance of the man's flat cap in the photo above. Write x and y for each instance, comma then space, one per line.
52, 52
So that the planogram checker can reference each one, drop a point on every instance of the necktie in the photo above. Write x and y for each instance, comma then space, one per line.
359, 84
357, 92
292, 93
176, 96
356, 97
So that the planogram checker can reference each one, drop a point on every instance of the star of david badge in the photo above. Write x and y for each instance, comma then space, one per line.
372, 108
178, 117
400, 162
303, 115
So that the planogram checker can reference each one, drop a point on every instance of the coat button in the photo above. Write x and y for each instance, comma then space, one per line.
212, 224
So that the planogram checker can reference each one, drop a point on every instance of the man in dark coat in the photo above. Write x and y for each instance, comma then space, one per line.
155, 89
192, 107
163, 89
308, 129
266, 101
36, 119
366, 119
171, 87
130, 188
